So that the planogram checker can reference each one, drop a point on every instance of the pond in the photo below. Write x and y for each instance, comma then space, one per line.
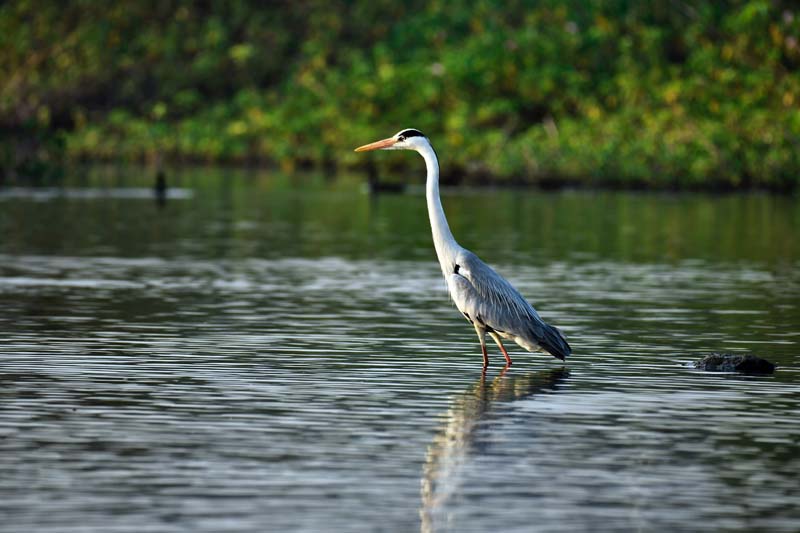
271, 353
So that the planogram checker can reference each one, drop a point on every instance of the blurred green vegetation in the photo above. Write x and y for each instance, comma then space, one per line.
664, 94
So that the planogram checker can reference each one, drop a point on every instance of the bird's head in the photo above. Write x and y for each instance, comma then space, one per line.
408, 139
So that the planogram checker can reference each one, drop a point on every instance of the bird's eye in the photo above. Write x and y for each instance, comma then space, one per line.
401, 138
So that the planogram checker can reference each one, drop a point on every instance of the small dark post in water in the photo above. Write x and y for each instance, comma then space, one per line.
374, 184
160, 187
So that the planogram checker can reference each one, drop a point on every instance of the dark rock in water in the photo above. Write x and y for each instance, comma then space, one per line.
730, 362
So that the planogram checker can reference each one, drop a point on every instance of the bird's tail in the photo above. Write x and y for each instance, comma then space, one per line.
554, 343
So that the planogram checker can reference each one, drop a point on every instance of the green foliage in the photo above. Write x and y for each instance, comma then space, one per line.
621, 93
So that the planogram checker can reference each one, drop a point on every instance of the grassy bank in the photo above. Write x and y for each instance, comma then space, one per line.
619, 93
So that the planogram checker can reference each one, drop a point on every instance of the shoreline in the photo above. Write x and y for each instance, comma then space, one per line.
395, 177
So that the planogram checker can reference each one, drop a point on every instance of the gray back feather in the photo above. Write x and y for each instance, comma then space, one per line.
503, 308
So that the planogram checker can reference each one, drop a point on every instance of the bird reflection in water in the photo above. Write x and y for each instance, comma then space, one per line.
468, 431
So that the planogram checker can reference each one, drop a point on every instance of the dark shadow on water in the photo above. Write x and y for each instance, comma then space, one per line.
475, 419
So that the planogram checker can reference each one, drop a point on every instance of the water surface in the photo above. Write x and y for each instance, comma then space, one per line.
264, 353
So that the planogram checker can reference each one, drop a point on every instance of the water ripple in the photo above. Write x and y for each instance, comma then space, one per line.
154, 394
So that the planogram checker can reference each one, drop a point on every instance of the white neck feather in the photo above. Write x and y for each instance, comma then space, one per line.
446, 246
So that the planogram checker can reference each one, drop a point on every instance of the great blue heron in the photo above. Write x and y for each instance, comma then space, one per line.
489, 302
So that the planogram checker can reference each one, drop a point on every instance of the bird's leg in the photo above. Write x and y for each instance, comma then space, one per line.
481, 337
496, 338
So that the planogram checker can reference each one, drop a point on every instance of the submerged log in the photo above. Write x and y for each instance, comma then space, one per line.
730, 362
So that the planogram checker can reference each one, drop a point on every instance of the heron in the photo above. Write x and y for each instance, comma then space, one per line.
486, 299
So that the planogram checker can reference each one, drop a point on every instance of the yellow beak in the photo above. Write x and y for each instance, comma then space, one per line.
377, 145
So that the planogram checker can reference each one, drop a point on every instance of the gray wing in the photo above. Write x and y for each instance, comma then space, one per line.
494, 302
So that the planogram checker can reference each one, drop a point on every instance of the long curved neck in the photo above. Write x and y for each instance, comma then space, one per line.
446, 246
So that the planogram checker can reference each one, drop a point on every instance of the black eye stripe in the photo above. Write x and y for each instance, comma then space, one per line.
405, 134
